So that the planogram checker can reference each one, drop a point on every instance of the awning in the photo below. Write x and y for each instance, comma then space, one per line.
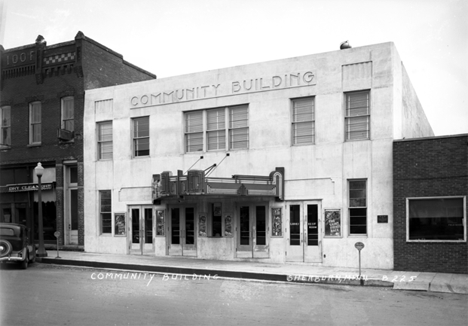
196, 183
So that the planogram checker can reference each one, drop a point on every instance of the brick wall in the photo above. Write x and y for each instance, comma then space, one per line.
94, 66
424, 168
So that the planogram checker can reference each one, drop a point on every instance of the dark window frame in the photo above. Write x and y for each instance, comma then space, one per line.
439, 223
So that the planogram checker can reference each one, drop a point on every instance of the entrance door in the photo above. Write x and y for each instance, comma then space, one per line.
71, 204
181, 232
305, 238
142, 230
252, 234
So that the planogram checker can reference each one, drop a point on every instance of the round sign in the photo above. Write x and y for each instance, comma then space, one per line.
57, 234
359, 245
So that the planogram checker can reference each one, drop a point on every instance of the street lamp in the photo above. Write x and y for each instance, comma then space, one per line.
39, 170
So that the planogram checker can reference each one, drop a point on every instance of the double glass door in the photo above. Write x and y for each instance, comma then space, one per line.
252, 239
181, 232
142, 230
304, 240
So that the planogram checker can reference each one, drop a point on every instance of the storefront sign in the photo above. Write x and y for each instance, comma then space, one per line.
119, 224
259, 84
333, 223
228, 226
276, 230
159, 222
202, 225
28, 187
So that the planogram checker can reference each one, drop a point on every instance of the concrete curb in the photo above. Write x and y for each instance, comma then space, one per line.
335, 280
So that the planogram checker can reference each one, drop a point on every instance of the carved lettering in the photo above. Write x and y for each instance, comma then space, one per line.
276, 81
308, 77
180, 98
214, 90
236, 87
23, 57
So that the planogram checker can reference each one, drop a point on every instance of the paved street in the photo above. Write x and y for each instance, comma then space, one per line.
53, 295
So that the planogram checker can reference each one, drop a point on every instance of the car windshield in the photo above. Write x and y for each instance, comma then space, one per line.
7, 231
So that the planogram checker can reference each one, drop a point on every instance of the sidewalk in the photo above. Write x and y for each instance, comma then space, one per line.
299, 273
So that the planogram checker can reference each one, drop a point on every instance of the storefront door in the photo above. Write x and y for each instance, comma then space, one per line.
181, 232
252, 231
142, 230
71, 204
304, 232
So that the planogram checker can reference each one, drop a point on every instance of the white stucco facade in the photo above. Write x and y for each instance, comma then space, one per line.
317, 175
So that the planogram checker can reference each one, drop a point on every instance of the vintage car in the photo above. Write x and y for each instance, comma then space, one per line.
15, 246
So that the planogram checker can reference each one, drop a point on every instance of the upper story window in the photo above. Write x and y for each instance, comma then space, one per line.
141, 139
357, 118
104, 138
5, 134
357, 206
217, 129
436, 219
35, 123
68, 120
303, 121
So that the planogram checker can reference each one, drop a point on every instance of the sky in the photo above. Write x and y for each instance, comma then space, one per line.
176, 37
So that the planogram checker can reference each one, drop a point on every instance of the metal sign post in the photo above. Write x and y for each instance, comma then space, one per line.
57, 235
359, 246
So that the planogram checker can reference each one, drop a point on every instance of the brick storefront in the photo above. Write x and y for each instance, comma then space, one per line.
47, 75
430, 168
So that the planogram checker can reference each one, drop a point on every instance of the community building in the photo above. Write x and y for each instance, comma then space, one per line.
41, 110
430, 191
280, 161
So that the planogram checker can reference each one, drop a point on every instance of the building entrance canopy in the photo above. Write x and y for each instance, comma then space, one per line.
195, 182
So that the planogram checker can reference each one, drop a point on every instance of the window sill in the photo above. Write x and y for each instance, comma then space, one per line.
299, 145
353, 140
5, 148
34, 145
436, 241
358, 235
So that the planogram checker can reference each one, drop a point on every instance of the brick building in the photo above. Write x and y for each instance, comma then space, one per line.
42, 102
429, 204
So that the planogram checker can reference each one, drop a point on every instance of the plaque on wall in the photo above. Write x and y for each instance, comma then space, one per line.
159, 222
332, 223
382, 218
277, 224
202, 225
119, 224
228, 226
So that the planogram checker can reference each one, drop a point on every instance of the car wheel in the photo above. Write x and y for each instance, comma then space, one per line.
24, 263
5, 248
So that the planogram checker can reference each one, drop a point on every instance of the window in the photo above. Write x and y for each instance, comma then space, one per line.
216, 133
5, 134
194, 131
216, 222
303, 121
105, 210
357, 116
207, 130
35, 123
141, 140
238, 127
105, 148
432, 219
68, 122
357, 207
